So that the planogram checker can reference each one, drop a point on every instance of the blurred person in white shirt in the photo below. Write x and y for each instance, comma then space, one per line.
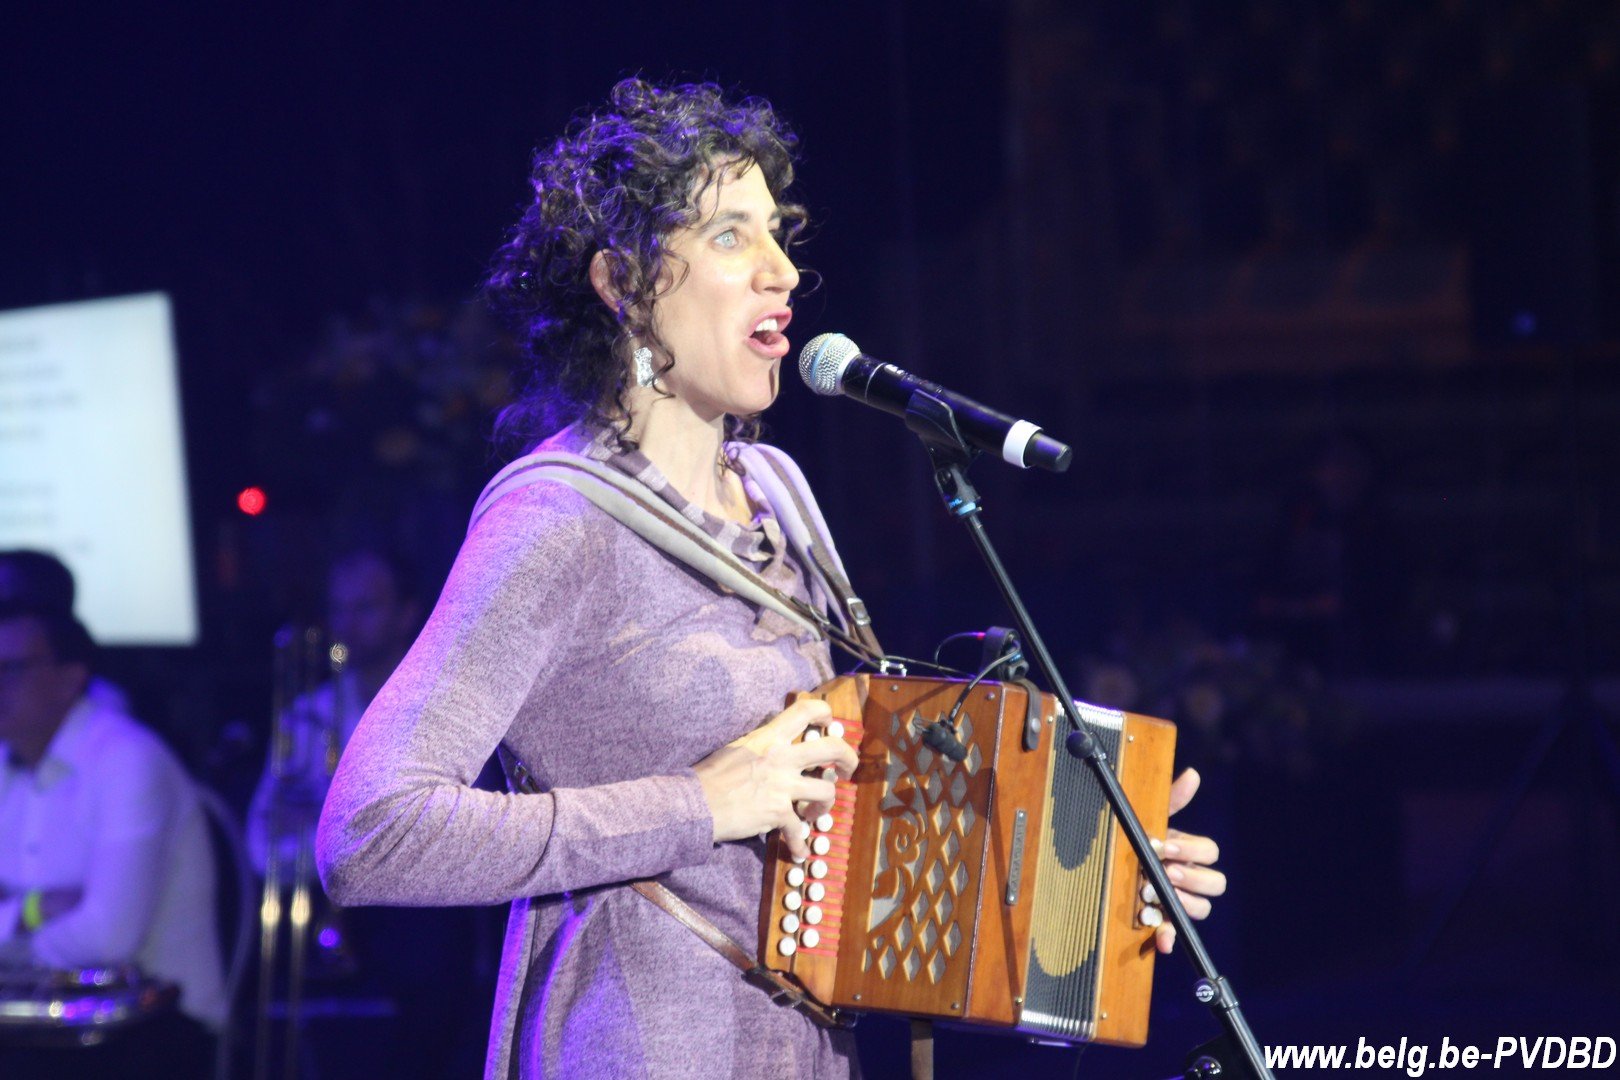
104, 852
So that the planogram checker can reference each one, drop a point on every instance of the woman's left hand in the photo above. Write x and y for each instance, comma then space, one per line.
1188, 860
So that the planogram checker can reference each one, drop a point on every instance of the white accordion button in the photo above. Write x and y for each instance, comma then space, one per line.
1151, 916
824, 823
795, 876
804, 829
829, 773
811, 937
790, 923
812, 915
816, 892
792, 900
812, 734
820, 845
835, 729
818, 869
1148, 895
787, 946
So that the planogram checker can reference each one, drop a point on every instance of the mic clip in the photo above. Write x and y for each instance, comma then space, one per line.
934, 422
943, 740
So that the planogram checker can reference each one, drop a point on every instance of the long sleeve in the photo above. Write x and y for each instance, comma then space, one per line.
402, 823
10, 920
137, 805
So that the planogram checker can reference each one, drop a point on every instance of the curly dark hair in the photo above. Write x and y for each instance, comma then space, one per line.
620, 180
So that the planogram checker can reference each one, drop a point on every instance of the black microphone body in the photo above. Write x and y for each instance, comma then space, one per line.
826, 366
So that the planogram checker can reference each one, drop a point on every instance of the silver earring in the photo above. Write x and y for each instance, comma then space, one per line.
645, 375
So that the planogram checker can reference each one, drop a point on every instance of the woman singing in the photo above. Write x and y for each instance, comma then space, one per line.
651, 283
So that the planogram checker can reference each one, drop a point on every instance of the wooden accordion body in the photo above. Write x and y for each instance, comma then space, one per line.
995, 891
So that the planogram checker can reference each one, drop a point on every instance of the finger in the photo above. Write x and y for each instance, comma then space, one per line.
1184, 788
810, 809
1196, 906
820, 753
1188, 848
1165, 938
812, 789
798, 849
790, 723
1197, 879
796, 837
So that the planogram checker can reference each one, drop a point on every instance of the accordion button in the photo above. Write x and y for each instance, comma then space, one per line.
1151, 916
829, 773
811, 937
816, 892
795, 876
804, 829
812, 915
824, 823
790, 923
821, 845
818, 869
787, 946
835, 729
792, 901
812, 734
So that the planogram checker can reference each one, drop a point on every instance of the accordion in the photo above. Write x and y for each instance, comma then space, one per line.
995, 890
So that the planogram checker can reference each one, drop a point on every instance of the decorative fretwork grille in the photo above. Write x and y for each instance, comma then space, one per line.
926, 821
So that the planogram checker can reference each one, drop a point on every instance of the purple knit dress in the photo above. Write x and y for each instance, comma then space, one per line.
610, 669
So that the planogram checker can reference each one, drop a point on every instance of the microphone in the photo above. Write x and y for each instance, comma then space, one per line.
831, 364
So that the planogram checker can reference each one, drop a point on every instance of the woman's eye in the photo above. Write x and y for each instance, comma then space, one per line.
727, 239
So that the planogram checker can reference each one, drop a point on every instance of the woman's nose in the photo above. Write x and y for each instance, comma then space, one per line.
777, 272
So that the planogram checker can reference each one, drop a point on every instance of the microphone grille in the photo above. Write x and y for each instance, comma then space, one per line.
822, 362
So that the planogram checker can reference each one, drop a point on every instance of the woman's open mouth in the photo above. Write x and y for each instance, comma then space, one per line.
767, 339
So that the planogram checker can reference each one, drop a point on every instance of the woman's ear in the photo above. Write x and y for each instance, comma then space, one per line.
601, 274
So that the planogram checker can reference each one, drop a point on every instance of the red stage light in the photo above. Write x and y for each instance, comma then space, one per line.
251, 501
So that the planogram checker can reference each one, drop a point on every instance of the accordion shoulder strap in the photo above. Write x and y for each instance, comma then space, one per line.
789, 494
633, 506
628, 503
520, 779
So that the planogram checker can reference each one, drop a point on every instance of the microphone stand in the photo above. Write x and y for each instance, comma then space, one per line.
934, 422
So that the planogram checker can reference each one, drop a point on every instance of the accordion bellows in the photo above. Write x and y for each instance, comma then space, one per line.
996, 890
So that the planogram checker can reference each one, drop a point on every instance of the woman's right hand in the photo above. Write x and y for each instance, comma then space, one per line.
752, 784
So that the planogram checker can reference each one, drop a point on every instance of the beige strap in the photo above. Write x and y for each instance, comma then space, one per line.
630, 503
787, 490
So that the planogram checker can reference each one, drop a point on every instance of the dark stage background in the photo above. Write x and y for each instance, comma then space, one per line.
1323, 294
